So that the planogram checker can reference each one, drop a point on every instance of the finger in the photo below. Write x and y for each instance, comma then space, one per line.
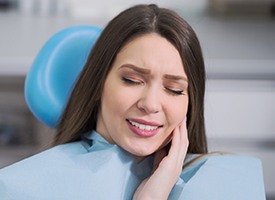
175, 144
184, 142
180, 139
179, 143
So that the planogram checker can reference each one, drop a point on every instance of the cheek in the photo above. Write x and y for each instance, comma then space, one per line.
177, 112
116, 99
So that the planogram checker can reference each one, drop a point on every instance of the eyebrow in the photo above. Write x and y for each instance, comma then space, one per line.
175, 77
147, 72
137, 69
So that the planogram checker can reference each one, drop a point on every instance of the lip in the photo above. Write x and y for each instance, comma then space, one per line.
141, 121
141, 132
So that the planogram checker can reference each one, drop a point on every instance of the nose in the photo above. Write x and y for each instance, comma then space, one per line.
150, 101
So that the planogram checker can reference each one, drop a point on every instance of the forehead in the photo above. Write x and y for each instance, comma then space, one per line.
150, 50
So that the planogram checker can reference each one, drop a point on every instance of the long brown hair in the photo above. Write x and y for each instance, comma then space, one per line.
81, 113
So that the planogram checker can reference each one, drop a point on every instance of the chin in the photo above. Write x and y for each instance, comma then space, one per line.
141, 148
142, 152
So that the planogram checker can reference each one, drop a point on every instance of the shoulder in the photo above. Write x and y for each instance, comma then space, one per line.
45, 159
224, 161
45, 168
231, 162
217, 176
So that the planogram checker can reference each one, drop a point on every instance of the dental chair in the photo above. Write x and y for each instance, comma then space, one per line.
55, 69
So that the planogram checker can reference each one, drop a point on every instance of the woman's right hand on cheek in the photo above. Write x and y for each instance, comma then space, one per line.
168, 168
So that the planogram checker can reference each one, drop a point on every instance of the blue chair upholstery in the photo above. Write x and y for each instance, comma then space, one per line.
55, 69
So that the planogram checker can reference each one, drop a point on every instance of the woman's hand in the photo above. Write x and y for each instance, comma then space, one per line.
167, 168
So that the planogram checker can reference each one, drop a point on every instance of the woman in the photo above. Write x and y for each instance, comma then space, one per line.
123, 134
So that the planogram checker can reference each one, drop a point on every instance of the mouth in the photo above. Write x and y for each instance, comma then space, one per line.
143, 128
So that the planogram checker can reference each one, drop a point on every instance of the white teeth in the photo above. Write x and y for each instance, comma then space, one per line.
142, 126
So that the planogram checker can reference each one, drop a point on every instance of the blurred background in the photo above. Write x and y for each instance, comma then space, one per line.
238, 41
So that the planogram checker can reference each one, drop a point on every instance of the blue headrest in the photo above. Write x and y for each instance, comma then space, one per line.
55, 69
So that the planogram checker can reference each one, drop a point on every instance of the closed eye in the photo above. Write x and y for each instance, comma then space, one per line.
130, 81
174, 92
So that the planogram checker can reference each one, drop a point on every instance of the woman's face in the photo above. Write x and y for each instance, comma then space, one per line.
144, 97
